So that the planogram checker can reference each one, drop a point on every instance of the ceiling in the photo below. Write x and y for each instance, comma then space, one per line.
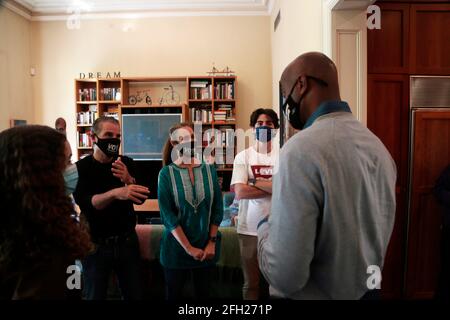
61, 9
53, 7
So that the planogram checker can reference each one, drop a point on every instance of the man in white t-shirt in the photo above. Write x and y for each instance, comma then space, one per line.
252, 183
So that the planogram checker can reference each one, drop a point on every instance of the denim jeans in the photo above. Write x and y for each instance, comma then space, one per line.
124, 259
177, 278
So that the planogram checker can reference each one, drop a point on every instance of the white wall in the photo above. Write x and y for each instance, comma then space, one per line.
299, 31
16, 99
164, 46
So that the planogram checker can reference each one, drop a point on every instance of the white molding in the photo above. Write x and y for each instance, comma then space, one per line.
26, 4
359, 90
16, 9
270, 6
327, 7
50, 10
150, 14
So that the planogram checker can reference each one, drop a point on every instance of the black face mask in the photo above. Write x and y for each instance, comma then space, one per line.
188, 149
293, 112
291, 109
109, 146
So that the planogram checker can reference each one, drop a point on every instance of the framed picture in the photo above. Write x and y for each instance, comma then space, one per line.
17, 122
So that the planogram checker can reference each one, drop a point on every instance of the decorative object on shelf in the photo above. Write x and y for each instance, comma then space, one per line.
213, 71
133, 99
169, 96
100, 75
225, 72
118, 95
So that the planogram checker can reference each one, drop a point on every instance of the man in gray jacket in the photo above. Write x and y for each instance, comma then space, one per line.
333, 200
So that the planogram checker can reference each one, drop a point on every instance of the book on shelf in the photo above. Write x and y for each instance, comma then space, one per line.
114, 115
110, 94
201, 114
224, 90
220, 116
86, 117
200, 90
84, 139
199, 84
224, 113
224, 137
87, 94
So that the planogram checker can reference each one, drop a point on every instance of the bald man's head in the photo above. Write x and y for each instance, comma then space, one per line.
313, 64
308, 81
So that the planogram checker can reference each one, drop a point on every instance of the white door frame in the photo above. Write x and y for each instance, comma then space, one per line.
351, 58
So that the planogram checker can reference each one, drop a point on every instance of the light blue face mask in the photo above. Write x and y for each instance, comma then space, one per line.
265, 133
71, 178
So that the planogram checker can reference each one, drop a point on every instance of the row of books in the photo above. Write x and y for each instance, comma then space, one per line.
86, 117
87, 94
224, 112
225, 137
114, 115
110, 94
200, 93
224, 91
201, 115
84, 139
202, 90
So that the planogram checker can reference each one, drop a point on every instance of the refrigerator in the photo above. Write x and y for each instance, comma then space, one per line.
429, 155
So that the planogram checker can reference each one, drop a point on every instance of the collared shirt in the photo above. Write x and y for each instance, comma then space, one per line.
333, 208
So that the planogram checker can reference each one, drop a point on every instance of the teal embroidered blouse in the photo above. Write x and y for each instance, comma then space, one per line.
193, 207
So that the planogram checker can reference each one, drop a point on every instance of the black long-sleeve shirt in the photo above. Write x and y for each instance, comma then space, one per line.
442, 192
95, 178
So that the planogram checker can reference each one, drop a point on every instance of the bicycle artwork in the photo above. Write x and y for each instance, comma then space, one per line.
139, 97
169, 96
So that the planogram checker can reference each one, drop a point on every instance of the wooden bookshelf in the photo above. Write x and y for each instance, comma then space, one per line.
109, 102
212, 100
86, 102
215, 95
86, 108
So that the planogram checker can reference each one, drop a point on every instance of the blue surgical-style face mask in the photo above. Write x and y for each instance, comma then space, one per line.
70, 178
265, 133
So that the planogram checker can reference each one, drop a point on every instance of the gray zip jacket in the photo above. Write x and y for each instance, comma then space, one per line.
333, 210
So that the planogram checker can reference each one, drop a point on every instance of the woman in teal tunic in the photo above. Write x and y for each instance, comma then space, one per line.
191, 207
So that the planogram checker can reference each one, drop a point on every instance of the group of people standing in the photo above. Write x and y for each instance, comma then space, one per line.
313, 216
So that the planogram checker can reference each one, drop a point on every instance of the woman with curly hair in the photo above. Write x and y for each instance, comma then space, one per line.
38, 238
